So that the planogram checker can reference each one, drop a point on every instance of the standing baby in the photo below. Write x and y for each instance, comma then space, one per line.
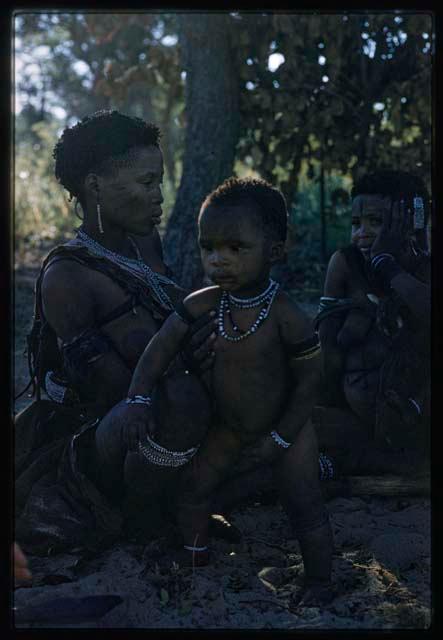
265, 378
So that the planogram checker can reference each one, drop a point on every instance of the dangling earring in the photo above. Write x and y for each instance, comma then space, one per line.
76, 210
99, 219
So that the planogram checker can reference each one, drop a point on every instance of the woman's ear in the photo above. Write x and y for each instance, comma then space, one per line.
277, 251
91, 183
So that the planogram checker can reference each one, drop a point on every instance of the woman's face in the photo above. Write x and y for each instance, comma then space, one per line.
367, 219
132, 199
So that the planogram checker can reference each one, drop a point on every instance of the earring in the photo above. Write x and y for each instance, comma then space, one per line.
76, 210
99, 219
419, 213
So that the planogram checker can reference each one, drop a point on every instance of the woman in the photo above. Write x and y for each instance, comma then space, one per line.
374, 325
99, 299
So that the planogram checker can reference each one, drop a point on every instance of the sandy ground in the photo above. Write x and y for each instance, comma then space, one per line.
381, 571
380, 575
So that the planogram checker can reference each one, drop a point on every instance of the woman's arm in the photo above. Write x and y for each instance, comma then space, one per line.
415, 294
69, 307
393, 239
332, 358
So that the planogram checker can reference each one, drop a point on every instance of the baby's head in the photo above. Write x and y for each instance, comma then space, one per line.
242, 232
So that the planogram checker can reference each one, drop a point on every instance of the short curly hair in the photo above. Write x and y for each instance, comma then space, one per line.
102, 142
267, 202
395, 184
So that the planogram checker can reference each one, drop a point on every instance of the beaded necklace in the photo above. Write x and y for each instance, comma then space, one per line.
137, 267
264, 299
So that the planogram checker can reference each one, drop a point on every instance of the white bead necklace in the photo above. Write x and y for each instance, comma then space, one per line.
265, 300
249, 303
137, 267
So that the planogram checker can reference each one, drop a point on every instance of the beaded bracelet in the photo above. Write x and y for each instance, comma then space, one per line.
139, 400
385, 267
279, 440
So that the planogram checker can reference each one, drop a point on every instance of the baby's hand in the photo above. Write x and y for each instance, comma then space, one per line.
139, 422
264, 451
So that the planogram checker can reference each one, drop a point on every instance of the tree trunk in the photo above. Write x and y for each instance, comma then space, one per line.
212, 108
322, 208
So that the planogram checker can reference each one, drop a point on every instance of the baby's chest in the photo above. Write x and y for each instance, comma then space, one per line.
261, 349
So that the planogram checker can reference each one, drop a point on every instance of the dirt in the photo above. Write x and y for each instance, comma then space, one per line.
381, 568
380, 575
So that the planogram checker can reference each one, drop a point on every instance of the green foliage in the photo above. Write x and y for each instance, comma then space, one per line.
303, 247
41, 207
308, 110
292, 119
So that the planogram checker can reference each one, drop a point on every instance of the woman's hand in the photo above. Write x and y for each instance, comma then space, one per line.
21, 570
198, 352
393, 235
138, 422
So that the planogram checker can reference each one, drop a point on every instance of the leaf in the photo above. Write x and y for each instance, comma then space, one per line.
186, 607
164, 596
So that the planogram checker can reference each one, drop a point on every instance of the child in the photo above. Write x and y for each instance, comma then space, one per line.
265, 377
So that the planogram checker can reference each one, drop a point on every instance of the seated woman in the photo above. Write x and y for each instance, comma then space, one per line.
99, 299
374, 326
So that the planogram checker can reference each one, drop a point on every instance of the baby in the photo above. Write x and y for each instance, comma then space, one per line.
265, 377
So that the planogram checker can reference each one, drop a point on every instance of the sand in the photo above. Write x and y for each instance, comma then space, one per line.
381, 575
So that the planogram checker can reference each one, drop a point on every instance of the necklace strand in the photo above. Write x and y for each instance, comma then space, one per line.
249, 303
267, 301
138, 267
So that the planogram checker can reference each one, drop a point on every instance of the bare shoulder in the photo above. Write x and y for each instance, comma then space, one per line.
68, 297
294, 324
203, 300
337, 276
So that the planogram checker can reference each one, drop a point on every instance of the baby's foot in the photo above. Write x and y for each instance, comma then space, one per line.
221, 528
315, 594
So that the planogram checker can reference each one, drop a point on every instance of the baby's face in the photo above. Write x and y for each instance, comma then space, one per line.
235, 253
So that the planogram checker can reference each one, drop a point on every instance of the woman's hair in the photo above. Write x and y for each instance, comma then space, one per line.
102, 142
397, 185
266, 201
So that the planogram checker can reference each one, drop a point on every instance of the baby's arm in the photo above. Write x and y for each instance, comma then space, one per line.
303, 348
153, 363
166, 343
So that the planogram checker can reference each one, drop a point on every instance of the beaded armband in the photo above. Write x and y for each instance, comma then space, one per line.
139, 400
279, 440
306, 349
385, 267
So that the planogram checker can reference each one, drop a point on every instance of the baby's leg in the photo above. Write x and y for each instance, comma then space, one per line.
200, 478
297, 477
